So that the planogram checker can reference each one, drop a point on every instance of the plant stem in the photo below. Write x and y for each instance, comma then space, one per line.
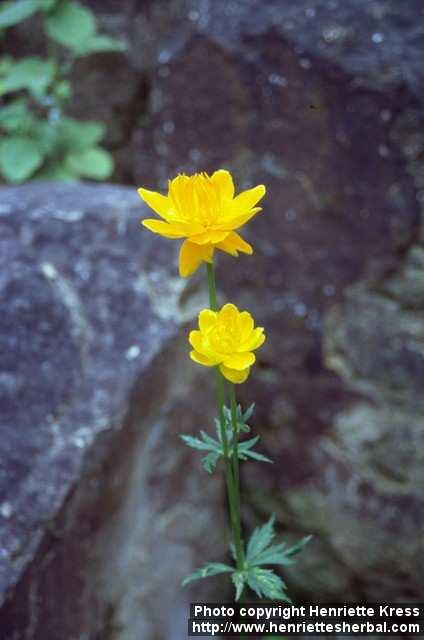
232, 491
211, 287
236, 474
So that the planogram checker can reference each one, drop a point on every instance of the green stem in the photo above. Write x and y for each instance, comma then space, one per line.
233, 501
236, 473
225, 448
211, 287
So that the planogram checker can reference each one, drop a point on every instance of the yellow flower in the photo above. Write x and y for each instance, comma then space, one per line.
226, 338
203, 210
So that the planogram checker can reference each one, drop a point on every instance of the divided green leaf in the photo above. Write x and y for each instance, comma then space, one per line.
205, 443
266, 584
208, 570
239, 579
245, 450
260, 539
260, 551
196, 443
215, 446
210, 461
297, 548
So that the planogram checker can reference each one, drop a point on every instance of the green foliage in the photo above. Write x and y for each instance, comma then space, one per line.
215, 447
238, 582
64, 150
19, 158
37, 139
260, 551
208, 570
33, 74
13, 12
72, 25
266, 584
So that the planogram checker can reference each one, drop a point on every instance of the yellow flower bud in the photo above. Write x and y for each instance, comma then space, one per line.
226, 338
203, 210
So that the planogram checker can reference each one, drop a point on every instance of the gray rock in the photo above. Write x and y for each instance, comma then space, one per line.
323, 103
101, 515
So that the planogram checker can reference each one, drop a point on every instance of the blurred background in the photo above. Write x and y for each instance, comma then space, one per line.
103, 510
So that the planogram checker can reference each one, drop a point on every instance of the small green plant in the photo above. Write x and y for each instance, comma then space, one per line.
205, 211
37, 139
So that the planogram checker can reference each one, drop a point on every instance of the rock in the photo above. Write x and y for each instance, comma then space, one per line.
100, 509
323, 103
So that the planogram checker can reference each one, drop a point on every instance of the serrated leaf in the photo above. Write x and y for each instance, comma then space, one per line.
71, 25
33, 74
257, 456
208, 570
238, 580
297, 548
20, 157
244, 445
260, 539
275, 554
266, 584
196, 443
249, 412
12, 13
210, 461
211, 441
95, 163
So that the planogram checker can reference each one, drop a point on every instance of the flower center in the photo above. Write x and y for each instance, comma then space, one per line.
224, 337
196, 199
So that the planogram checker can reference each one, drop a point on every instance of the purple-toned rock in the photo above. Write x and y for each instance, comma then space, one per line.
101, 515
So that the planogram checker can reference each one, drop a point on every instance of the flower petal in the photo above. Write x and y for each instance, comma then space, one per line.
163, 228
246, 200
207, 319
254, 341
196, 340
201, 359
156, 201
223, 180
234, 376
234, 222
192, 255
228, 312
240, 361
234, 243
209, 236
246, 324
